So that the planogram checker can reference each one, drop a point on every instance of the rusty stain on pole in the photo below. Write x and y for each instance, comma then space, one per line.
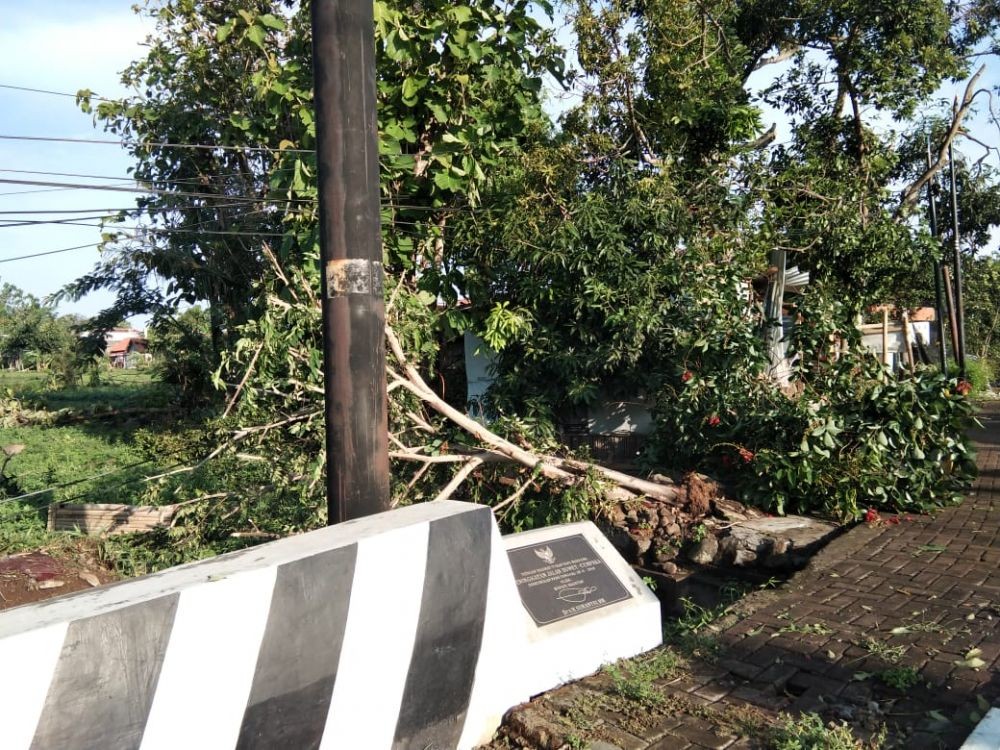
357, 451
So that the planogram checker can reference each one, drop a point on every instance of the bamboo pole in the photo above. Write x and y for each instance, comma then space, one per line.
949, 293
909, 346
885, 336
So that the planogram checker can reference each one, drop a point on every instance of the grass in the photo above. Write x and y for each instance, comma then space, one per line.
633, 679
809, 732
114, 389
87, 459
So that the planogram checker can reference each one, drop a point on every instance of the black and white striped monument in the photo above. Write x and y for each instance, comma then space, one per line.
416, 628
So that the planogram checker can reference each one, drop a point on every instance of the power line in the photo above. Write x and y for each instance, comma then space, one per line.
154, 144
154, 191
46, 190
156, 230
386, 202
194, 180
10, 224
53, 93
74, 482
48, 252
134, 237
36, 212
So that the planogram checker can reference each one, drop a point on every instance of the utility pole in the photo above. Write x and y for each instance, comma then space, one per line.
957, 260
938, 290
357, 453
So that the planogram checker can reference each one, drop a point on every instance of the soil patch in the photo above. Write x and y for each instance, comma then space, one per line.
30, 577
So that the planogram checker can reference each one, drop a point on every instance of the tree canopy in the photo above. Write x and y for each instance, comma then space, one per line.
613, 248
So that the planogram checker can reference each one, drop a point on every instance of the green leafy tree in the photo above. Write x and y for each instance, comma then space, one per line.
32, 335
181, 346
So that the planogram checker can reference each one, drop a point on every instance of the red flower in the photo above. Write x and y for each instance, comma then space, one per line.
746, 455
687, 376
871, 515
714, 421
963, 387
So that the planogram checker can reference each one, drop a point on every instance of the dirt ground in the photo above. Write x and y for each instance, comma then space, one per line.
30, 577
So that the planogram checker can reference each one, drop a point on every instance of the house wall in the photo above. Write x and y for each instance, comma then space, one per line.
479, 360
924, 330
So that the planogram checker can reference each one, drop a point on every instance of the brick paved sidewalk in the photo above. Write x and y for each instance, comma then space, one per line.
881, 604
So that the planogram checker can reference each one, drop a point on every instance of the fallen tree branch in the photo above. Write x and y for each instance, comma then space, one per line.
624, 487
448, 458
653, 489
460, 476
513, 498
243, 381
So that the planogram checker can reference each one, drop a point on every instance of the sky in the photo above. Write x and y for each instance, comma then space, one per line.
63, 46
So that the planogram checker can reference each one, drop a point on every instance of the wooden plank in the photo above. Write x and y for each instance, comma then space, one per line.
106, 518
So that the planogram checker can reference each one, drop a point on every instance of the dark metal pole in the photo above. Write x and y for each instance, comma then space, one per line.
957, 260
357, 454
938, 290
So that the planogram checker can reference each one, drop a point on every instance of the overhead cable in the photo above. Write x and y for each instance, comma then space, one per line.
153, 144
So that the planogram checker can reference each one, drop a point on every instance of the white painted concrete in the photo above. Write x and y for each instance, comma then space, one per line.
28, 663
987, 733
109, 598
216, 638
378, 641
216, 634
498, 685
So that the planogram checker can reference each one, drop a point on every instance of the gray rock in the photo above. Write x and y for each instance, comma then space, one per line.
704, 552
641, 545
776, 543
649, 515
619, 539
744, 558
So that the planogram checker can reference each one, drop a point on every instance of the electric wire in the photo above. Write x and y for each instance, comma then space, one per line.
74, 482
153, 144
10, 223
195, 180
49, 252
151, 191
31, 90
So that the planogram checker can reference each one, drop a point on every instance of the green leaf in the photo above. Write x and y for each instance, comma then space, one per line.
461, 13
257, 35
222, 33
272, 22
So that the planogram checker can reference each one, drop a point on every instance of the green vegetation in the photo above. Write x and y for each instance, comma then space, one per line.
622, 251
810, 732
981, 374
633, 679
901, 678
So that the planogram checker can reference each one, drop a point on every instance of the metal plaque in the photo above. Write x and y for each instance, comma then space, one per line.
562, 578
